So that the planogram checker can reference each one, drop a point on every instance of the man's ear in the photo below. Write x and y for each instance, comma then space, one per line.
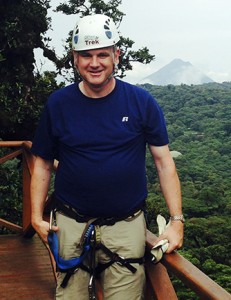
75, 56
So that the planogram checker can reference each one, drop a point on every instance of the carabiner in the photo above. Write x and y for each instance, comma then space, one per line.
91, 288
52, 220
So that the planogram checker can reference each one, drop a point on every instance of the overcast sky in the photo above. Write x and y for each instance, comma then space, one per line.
198, 31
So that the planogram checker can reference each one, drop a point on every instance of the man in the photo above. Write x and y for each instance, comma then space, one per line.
98, 131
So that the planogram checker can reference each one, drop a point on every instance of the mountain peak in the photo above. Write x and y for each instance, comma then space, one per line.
179, 62
177, 72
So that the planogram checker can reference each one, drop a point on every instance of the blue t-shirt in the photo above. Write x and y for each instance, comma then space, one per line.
100, 145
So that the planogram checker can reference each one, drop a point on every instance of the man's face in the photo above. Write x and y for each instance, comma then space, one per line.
95, 66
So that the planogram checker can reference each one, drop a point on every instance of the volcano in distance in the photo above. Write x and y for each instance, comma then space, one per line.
177, 72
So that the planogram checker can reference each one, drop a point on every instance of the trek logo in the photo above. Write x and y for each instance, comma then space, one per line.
91, 40
125, 119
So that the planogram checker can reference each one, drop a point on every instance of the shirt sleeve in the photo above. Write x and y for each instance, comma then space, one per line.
45, 143
155, 126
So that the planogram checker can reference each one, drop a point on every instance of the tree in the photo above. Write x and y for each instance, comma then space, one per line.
23, 27
20, 35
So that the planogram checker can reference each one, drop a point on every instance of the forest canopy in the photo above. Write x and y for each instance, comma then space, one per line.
199, 124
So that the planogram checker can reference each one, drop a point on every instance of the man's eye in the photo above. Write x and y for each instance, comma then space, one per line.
85, 55
103, 55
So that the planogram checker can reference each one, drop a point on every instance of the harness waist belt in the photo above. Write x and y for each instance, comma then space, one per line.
72, 213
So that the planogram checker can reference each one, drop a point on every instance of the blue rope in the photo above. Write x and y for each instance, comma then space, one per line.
65, 264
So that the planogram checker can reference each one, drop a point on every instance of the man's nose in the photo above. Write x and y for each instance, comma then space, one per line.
94, 61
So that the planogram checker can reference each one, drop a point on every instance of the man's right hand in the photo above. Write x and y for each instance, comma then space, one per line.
43, 228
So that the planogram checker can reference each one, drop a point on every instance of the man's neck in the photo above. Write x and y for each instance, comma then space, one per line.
97, 92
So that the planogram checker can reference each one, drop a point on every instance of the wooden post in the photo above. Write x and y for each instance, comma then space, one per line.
27, 168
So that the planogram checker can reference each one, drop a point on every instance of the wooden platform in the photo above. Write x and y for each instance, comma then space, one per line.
24, 275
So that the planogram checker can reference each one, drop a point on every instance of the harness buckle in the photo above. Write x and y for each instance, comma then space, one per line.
110, 221
120, 260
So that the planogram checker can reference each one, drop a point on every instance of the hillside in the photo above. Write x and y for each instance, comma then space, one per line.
199, 124
176, 73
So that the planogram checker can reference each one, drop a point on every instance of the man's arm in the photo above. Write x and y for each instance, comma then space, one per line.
170, 186
40, 182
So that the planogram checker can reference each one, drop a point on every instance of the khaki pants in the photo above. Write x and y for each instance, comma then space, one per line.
127, 238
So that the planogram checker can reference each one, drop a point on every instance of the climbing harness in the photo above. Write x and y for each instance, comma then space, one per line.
69, 266
90, 242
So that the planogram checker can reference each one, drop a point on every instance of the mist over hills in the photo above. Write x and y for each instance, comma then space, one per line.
177, 72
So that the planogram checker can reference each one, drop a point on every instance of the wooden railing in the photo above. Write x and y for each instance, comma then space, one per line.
159, 285
17, 148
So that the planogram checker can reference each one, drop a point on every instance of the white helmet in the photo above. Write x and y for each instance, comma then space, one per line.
93, 32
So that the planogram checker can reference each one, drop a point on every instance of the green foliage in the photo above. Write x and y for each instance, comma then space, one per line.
198, 121
22, 92
19, 114
20, 35
10, 192
218, 272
